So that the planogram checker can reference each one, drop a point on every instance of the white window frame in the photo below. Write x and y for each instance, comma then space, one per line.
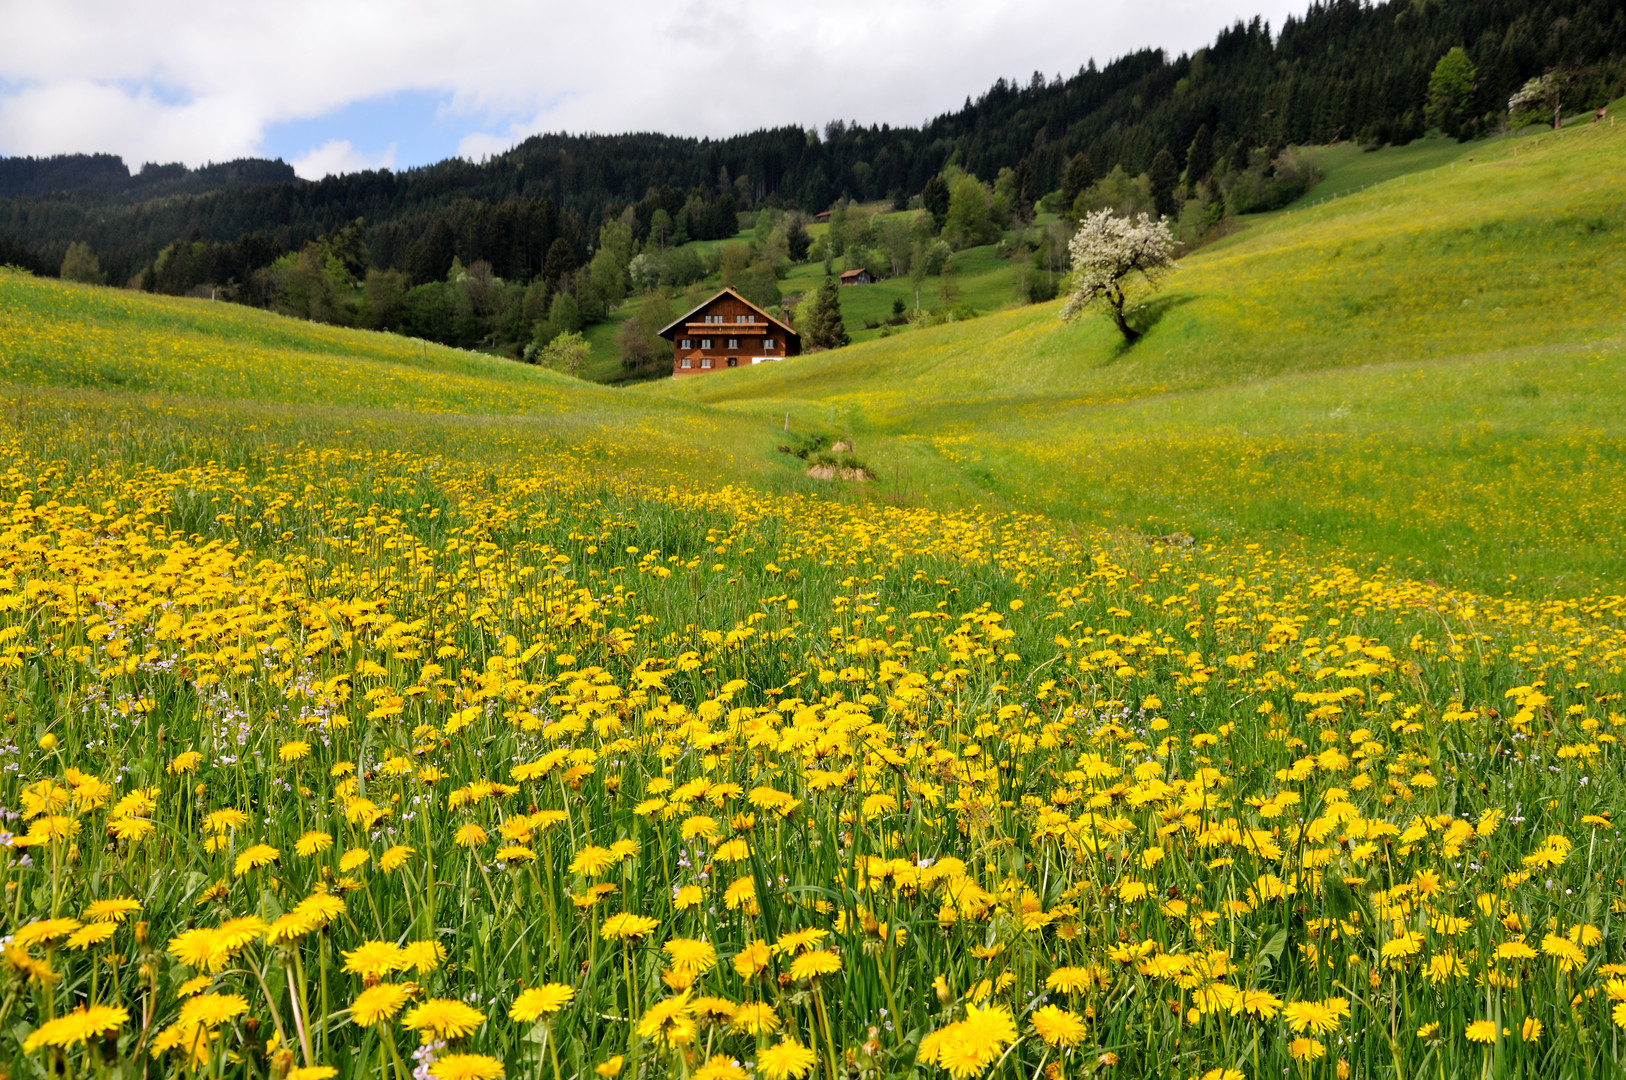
733, 343
705, 343
686, 344
767, 344
705, 363
685, 363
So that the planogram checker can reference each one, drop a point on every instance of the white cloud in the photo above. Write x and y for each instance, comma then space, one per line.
338, 156
162, 79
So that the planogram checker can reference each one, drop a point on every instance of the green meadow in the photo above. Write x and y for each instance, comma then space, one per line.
1243, 703
1299, 378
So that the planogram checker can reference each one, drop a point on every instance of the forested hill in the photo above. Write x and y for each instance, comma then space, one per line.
1345, 70
106, 174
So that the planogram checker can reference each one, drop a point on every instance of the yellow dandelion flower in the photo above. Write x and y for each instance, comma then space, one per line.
423, 956
208, 1011
625, 926
312, 1072
591, 862
375, 959
540, 1001
1057, 1026
1316, 1016
43, 932
788, 1060
813, 965
253, 858
752, 959
114, 910
690, 957
466, 1067
313, 843
756, 1018
443, 1018
669, 1021
377, 1004
1069, 980
91, 934
395, 858
79, 1026
719, 1067
320, 908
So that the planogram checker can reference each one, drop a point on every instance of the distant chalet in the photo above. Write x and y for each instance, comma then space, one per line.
856, 277
728, 331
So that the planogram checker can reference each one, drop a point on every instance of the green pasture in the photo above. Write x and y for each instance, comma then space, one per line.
1426, 372
1477, 279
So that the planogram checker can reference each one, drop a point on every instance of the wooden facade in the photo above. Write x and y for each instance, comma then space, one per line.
728, 331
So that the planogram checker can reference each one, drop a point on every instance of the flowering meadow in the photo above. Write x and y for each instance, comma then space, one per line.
566, 734
346, 758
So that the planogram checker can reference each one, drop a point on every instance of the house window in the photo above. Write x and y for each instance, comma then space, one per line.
750, 318
685, 363
733, 343
705, 343
767, 344
705, 363
686, 344
733, 361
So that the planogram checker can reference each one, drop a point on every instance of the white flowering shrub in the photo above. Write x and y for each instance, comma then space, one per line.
1108, 253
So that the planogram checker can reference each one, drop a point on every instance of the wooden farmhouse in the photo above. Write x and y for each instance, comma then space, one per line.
856, 277
728, 331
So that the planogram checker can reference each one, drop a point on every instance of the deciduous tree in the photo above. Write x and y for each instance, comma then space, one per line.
565, 353
1108, 253
81, 264
1450, 89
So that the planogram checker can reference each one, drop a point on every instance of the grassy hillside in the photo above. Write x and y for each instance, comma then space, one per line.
1490, 284
372, 709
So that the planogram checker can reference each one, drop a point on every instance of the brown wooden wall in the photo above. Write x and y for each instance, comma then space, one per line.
749, 335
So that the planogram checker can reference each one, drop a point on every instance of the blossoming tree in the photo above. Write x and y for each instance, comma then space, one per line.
1108, 252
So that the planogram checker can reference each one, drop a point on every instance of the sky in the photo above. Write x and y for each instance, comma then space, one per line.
341, 85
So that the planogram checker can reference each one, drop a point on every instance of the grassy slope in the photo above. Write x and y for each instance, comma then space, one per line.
1425, 371
981, 280
75, 347
1486, 293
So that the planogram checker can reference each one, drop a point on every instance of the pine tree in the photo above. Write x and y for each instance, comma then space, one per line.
1200, 158
1077, 177
822, 327
935, 198
1165, 178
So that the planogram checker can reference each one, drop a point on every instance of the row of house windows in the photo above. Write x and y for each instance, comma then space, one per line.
705, 362
733, 343
724, 318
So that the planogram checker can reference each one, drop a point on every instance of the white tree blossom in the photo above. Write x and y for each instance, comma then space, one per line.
1107, 252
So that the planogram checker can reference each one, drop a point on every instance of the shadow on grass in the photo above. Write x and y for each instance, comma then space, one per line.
1143, 318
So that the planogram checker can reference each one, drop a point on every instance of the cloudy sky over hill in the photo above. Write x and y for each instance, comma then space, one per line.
339, 86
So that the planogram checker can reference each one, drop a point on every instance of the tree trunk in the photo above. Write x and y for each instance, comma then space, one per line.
1131, 335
